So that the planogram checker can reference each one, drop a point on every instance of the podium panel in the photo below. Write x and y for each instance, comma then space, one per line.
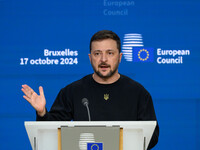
136, 134
83, 138
46, 139
133, 139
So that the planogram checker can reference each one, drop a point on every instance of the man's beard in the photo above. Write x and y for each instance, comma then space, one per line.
110, 74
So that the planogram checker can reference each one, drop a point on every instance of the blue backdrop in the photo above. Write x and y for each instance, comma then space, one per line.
160, 42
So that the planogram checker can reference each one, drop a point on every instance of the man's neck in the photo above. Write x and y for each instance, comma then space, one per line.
108, 80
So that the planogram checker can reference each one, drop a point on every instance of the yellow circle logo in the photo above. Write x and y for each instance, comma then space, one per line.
94, 147
146, 52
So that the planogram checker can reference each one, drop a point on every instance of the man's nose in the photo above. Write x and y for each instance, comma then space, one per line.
103, 57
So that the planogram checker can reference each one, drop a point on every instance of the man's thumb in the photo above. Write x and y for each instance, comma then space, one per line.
41, 91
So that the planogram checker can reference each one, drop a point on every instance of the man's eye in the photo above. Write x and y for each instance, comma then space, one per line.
96, 54
110, 53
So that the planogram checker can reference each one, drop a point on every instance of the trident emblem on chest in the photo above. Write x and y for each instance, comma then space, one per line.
106, 96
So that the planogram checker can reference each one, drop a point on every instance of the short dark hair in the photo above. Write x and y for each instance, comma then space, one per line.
106, 34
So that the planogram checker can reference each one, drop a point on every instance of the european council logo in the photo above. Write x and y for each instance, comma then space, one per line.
130, 41
94, 146
143, 54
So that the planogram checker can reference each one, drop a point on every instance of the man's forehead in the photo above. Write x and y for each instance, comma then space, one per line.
104, 44
104, 40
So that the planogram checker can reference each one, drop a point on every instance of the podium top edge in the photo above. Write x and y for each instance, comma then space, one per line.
95, 123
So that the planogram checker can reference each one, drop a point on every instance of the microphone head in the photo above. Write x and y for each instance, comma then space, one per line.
85, 101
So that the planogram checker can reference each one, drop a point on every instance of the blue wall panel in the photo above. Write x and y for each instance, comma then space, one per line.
28, 27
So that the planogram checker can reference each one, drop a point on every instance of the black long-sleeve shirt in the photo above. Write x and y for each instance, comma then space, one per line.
123, 100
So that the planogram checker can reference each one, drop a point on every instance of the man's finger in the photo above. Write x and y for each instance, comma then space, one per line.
30, 89
27, 93
26, 87
27, 98
27, 90
41, 91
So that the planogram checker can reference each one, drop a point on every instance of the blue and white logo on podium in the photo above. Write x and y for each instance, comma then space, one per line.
94, 146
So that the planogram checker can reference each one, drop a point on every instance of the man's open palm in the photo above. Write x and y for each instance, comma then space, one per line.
37, 101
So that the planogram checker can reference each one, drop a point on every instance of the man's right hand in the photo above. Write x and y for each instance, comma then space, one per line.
37, 101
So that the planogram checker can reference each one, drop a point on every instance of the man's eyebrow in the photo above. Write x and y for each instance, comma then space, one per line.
97, 50
110, 50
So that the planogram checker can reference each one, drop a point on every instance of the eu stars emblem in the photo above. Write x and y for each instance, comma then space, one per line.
94, 146
143, 54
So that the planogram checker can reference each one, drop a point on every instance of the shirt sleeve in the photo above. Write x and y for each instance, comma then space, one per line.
61, 109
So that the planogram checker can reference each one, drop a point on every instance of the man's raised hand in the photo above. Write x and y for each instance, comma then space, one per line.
37, 101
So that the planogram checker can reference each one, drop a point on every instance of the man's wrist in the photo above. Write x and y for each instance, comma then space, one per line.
41, 114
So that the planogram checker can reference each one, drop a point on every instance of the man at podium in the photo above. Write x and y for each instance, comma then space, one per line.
110, 95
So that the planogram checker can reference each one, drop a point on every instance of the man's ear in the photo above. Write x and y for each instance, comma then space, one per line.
89, 57
120, 57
